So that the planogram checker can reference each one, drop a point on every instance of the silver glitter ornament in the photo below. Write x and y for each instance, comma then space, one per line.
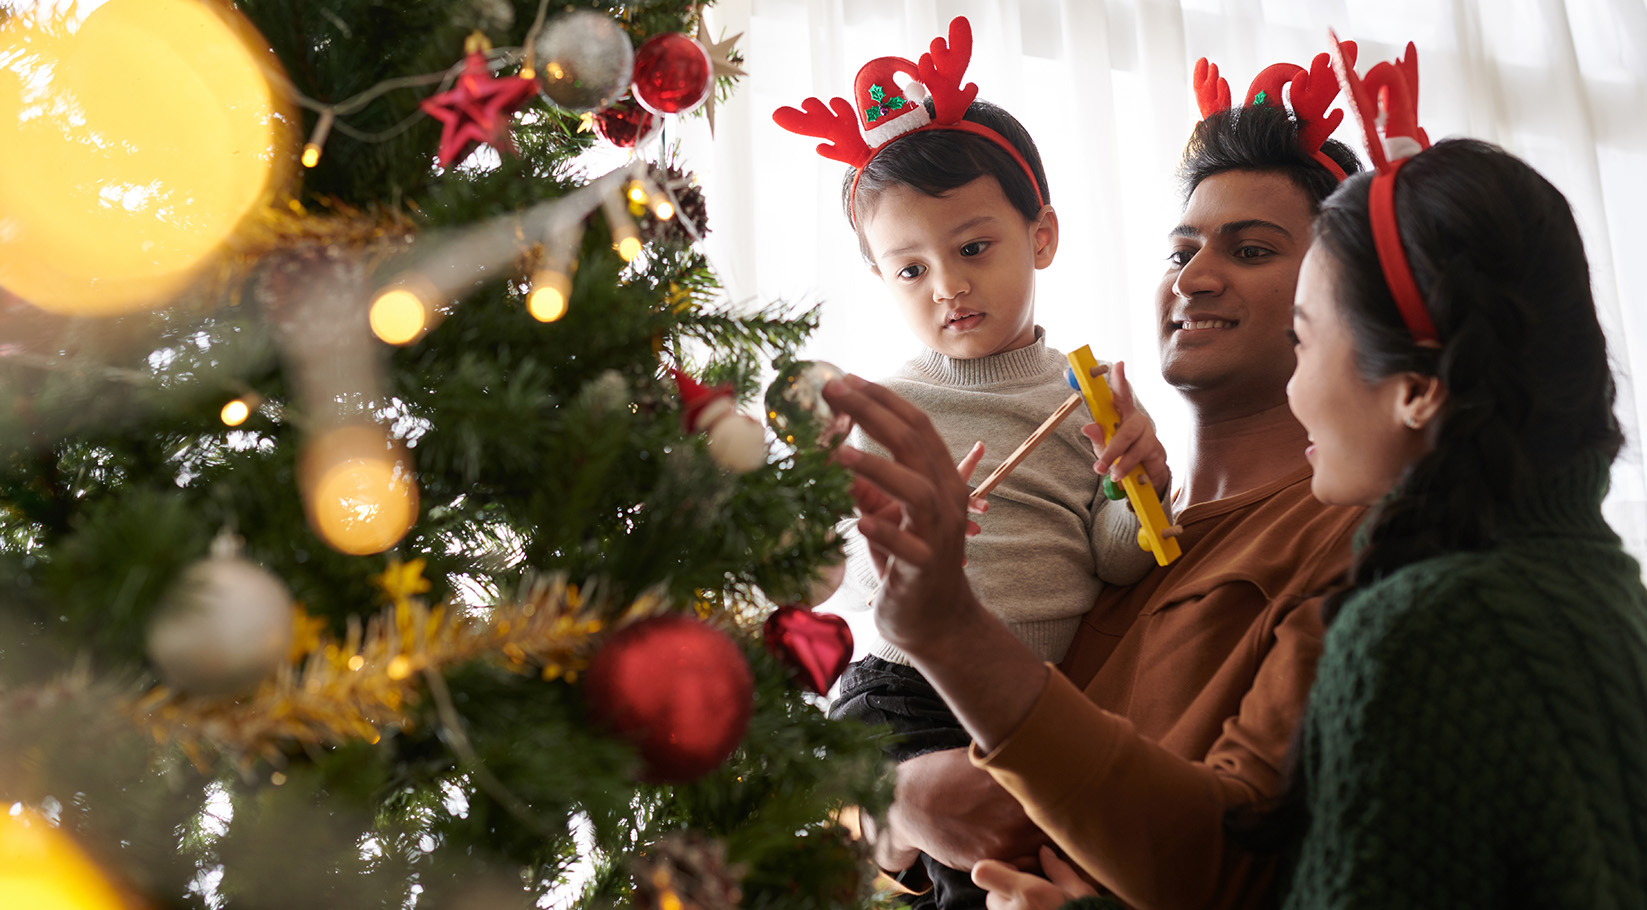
583, 60
225, 627
796, 409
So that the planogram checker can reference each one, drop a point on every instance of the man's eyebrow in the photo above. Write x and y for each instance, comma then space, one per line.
1232, 227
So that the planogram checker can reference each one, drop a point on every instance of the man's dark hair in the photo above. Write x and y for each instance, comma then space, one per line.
937, 161
1260, 138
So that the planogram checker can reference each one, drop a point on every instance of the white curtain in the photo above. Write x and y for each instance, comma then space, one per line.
1104, 87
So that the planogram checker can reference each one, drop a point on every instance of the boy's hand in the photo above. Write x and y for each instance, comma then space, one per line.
1134, 443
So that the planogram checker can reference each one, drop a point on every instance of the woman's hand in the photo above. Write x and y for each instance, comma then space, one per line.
1134, 443
913, 509
1010, 889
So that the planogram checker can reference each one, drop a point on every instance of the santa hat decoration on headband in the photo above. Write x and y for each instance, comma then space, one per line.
890, 95
1313, 91
1385, 102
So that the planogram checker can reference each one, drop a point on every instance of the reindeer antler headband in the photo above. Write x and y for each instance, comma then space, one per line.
1393, 136
1313, 91
890, 93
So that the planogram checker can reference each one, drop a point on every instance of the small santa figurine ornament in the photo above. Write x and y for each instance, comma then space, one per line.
737, 441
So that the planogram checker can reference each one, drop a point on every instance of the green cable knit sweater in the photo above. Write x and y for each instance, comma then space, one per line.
1477, 734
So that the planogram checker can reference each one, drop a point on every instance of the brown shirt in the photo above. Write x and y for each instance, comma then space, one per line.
1195, 679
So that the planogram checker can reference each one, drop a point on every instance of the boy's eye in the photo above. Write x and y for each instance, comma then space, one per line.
911, 272
974, 248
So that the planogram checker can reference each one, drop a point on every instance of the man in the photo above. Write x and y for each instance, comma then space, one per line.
1195, 678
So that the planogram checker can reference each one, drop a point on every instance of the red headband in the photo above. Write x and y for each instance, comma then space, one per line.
1313, 91
890, 92
1393, 136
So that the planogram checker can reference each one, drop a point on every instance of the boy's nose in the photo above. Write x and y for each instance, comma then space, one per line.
948, 284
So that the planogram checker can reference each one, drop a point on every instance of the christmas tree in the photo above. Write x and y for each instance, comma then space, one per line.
380, 525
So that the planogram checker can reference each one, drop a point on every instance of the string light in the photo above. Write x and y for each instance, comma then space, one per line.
663, 210
625, 238
235, 412
551, 294
398, 315
317, 139
637, 192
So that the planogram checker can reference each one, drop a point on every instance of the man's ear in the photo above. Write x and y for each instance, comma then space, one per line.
1045, 236
1420, 399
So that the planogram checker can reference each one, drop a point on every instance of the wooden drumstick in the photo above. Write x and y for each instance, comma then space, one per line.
1019, 454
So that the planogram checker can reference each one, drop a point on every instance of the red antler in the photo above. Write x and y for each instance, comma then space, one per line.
1385, 101
1269, 81
1313, 93
838, 123
1212, 94
942, 69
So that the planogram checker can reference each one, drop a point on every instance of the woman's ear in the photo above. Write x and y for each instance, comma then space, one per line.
1420, 400
1045, 236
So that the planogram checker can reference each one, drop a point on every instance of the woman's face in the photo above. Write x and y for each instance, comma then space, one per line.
1360, 443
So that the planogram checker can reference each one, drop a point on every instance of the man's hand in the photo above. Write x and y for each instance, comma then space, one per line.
957, 814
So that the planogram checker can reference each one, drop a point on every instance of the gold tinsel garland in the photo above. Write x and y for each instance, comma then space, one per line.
355, 689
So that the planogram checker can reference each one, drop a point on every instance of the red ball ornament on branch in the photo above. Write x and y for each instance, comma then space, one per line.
676, 689
626, 124
673, 74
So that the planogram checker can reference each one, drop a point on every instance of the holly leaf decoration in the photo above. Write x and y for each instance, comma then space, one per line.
892, 104
876, 93
1259, 98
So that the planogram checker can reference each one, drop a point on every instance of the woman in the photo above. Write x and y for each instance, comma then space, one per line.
1477, 732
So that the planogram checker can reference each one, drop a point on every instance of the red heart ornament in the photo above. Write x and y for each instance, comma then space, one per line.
817, 646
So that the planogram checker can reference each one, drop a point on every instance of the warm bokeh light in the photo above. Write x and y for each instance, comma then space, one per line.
235, 412
663, 210
398, 316
359, 490
629, 248
41, 867
637, 192
311, 155
137, 139
551, 293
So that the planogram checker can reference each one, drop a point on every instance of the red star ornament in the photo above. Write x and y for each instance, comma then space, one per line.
477, 109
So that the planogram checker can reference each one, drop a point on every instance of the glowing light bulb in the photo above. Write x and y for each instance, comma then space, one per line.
629, 248
663, 210
359, 491
41, 866
235, 412
311, 155
637, 192
398, 316
550, 297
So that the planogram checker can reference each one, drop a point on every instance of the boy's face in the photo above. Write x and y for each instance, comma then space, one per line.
961, 266
1225, 302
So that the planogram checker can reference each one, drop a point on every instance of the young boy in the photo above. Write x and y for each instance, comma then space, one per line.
951, 213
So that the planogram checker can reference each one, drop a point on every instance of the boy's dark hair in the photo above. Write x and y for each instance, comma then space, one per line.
937, 161
1260, 138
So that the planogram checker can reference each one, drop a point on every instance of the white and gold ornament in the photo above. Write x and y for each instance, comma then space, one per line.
225, 626
583, 60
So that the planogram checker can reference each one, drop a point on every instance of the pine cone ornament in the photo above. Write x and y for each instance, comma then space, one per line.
690, 210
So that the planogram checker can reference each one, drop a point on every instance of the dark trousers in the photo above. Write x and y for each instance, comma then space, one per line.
883, 693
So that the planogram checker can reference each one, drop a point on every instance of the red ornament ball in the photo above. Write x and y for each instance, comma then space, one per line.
673, 74
626, 124
678, 690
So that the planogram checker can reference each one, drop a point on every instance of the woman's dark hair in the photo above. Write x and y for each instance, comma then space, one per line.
1260, 138
1501, 269
937, 161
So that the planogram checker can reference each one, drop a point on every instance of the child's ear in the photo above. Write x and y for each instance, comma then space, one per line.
1044, 235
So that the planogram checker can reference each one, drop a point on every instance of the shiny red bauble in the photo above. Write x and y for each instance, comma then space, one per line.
626, 124
673, 74
678, 690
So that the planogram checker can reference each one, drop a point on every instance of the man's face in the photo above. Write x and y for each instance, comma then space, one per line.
961, 266
1225, 303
